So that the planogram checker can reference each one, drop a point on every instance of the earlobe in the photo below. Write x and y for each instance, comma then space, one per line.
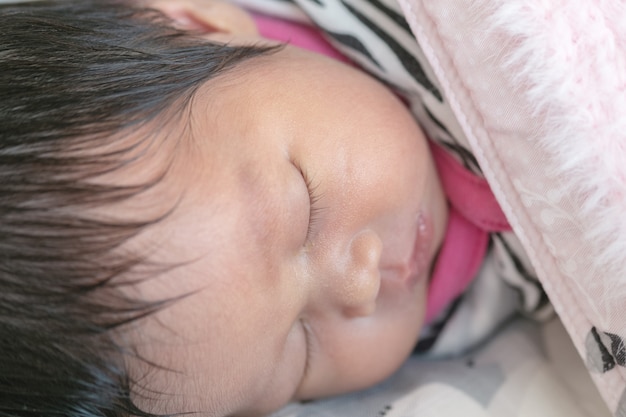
208, 16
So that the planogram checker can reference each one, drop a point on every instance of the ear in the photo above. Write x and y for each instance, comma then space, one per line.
208, 16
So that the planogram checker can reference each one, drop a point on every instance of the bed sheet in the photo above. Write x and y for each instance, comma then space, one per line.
526, 370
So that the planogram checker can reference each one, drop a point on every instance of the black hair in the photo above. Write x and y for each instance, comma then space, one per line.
72, 75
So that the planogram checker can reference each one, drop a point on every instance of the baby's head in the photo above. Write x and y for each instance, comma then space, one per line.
199, 221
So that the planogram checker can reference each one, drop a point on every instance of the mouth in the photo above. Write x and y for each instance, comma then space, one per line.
419, 263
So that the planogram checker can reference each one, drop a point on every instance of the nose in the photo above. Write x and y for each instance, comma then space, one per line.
358, 283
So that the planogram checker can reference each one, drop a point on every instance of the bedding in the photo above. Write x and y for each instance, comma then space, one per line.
527, 370
539, 90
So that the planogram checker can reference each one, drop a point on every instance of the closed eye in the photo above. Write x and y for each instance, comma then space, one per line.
308, 339
314, 197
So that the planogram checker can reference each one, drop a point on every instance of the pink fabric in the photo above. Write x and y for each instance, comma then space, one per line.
458, 262
474, 211
469, 193
296, 34
538, 88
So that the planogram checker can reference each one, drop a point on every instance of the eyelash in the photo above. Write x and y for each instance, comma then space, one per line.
314, 197
309, 347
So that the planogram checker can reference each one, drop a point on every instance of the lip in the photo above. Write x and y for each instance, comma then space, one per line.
419, 263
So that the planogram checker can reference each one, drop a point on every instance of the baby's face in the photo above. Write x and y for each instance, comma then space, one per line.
309, 216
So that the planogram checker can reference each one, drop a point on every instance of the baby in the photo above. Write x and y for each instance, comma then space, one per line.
199, 219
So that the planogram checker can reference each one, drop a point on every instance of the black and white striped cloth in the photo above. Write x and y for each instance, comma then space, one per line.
375, 35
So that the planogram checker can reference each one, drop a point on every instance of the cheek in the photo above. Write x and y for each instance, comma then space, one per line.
386, 177
276, 388
354, 360
358, 353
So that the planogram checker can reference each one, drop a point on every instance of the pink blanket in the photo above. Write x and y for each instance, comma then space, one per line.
538, 88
